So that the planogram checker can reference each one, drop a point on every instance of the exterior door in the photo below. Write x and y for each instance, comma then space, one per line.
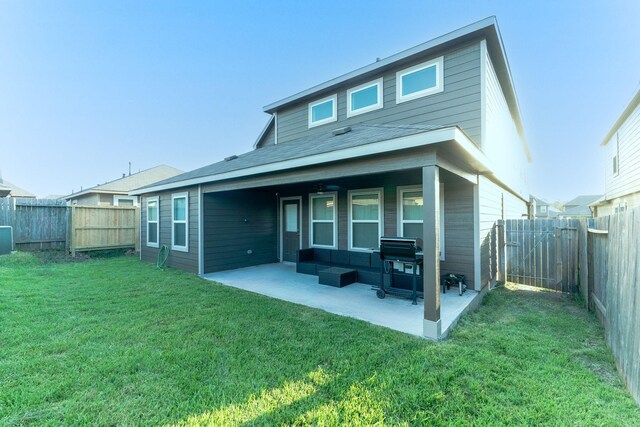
290, 229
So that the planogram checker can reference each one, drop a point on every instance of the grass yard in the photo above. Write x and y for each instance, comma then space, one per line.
118, 342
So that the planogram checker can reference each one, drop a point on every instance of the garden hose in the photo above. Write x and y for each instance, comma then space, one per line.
163, 254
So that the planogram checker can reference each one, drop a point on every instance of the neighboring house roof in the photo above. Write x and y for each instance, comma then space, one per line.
584, 200
16, 191
635, 101
540, 201
487, 28
295, 152
54, 196
4, 191
131, 182
577, 211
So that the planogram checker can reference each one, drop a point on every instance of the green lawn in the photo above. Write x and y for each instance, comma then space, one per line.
118, 342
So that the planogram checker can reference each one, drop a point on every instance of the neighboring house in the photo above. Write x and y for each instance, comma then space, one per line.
9, 189
543, 209
622, 157
116, 192
579, 207
426, 143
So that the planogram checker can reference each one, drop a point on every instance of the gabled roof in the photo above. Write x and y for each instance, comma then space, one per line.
128, 183
635, 101
295, 152
577, 211
16, 191
486, 28
265, 131
584, 200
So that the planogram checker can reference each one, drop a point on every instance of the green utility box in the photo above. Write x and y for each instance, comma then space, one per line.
6, 240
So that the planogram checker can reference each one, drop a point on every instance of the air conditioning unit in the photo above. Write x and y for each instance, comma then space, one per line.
6, 240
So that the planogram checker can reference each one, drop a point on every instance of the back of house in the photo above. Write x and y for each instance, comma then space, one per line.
427, 143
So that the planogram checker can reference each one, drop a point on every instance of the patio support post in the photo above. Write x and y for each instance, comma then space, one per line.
432, 327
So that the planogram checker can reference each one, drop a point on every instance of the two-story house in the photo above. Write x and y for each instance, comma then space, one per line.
425, 143
622, 156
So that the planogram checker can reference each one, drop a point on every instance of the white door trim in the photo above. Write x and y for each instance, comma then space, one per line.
281, 220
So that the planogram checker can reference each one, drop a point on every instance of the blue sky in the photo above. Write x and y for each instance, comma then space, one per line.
86, 87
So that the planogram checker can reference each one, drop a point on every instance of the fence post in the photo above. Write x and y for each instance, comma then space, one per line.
72, 231
583, 262
500, 251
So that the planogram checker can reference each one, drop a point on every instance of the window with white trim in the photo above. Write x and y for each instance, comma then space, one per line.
180, 222
125, 200
364, 98
323, 211
411, 214
323, 111
365, 219
153, 212
420, 80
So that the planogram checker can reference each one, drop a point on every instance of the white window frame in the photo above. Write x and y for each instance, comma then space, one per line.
616, 157
543, 209
312, 196
116, 199
439, 87
379, 84
334, 115
175, 196
401, 222
379, 221
157, 222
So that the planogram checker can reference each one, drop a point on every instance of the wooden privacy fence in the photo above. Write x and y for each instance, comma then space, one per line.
613, 280
37, 223
104, 227
542, 253
52, 224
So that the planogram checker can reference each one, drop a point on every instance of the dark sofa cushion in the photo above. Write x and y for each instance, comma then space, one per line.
305, 255
360, 259
376, 262
339, 257
322, 255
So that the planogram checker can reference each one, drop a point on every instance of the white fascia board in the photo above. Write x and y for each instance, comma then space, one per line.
411, 141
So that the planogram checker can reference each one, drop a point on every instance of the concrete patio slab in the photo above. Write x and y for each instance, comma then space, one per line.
356, 300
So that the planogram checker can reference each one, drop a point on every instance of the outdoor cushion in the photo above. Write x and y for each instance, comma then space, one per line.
322, 255
339, 257
360, 259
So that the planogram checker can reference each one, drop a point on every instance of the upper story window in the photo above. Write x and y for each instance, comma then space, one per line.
364, 98
616, 157
323, 111
420, 80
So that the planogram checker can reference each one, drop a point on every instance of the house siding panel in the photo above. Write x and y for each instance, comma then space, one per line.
459, 103
187, 261
494, 203
502, 143
239, 229
458, 230
628, 179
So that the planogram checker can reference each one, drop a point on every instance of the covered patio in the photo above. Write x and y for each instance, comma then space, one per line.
357, 300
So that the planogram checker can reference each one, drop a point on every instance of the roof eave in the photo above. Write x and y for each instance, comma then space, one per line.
434, 44
635, 101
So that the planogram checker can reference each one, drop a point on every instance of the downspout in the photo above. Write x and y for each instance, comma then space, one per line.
275, 116
200, 233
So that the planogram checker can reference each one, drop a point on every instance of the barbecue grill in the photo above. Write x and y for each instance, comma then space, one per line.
405, 250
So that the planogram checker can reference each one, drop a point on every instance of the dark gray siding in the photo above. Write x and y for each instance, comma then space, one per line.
269, 138
236, 222
458, 104
187, 261
458, 229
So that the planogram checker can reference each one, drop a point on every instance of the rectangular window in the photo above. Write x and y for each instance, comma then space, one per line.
411, 214
364, 98
365, 219
180, 222
152, 222
323, 220
323, 111
125, 200
420, 80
